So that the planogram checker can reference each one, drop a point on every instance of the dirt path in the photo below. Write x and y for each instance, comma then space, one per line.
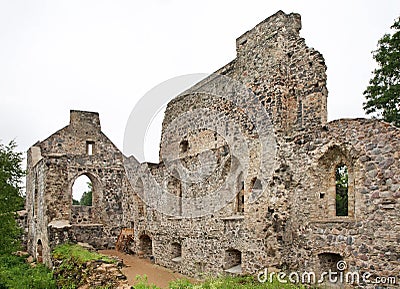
156, 275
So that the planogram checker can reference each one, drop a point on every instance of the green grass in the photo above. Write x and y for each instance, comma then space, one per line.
226, 282
73, 270
243, 282
74, 256
79, 254
16, 273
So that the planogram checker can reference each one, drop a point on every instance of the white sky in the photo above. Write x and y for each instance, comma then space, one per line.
80, 186
104, 55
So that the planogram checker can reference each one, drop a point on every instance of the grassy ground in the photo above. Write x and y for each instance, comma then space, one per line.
72, 265
78, 253
226, 282
15, 273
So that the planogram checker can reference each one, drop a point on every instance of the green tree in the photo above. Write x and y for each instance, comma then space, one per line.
383, 91
86, 199
342, 189
11, 199
15, 272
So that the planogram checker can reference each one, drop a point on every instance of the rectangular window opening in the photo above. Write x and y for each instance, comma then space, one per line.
89, 148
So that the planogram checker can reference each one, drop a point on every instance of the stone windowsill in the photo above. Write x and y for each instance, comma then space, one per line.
233, 218
88, 225
334, 220
59, 224
234, 270
56, 154
174, 218
177, 259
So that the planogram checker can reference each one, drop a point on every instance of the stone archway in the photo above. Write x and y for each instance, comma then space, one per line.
176, 250
89, 212
146, 246
233, 261
82, 191
39, 251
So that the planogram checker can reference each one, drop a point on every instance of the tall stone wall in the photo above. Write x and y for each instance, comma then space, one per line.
58, 162
287, 77
367, 239
288, 80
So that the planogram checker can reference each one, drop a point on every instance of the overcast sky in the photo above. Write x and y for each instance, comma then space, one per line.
104, 55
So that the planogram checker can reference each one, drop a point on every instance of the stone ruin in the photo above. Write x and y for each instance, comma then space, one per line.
278, 208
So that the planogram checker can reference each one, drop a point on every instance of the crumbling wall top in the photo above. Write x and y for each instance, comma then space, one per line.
82, 118
277, 23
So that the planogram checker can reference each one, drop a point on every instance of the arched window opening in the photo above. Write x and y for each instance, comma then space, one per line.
335, 189
39, 251
233, 261
184, 146
256, 185
180, 202
342, 190
139, 188
146, 246
35, 198
140, 206
176, 252
329, 261
174, 187
240, 198
239, 202
82, 190
256, 189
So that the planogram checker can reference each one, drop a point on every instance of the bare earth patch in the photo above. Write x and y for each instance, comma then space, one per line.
156, 274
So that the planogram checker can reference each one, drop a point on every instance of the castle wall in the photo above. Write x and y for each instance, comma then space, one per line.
288, 80
247, 174
64, 156
287, 77
366, 239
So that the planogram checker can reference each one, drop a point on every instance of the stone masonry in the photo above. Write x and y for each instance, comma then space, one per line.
276, 160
